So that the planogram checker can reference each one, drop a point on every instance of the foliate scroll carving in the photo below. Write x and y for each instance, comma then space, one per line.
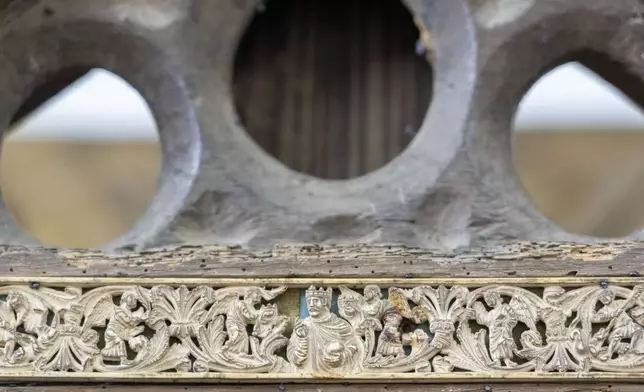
424, 330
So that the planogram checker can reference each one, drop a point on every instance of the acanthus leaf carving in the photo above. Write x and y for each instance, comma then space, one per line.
498, 329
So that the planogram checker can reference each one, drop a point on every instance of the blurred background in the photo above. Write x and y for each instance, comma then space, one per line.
335, 93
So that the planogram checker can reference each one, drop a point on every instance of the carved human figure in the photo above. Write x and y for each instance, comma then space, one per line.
500, 321
67, 345
363, 311
390, 341
241, 313
269, 322
375, 305
621, 325
323, 342
31, 315
125, 327
269, 328
14, 313
8, 325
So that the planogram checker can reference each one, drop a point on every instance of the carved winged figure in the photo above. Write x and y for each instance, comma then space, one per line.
501, 321
475, 351
223, 342
231, 330
240, 309
126, 324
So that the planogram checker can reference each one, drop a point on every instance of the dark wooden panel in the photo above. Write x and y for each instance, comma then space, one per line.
332, 88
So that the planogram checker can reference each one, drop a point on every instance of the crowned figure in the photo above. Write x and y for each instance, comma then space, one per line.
323, 342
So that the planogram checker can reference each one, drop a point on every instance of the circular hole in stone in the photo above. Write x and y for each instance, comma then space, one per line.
81, 159
578, 142
332, 88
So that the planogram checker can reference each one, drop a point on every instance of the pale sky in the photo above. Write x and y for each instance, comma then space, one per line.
573, 97
102, 106
99, 106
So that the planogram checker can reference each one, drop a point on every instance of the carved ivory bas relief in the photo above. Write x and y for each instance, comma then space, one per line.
420, 331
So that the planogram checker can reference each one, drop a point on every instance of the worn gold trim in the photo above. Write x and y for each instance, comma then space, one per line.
90, 282
400, 378
357, 330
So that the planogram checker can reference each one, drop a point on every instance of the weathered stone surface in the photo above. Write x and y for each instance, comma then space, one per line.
454, 186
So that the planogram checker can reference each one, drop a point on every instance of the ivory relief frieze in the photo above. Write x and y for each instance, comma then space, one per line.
422, 331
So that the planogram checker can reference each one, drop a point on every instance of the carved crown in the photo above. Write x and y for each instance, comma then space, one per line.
321, 293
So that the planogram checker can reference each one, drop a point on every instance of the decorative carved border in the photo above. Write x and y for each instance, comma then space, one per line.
360, 330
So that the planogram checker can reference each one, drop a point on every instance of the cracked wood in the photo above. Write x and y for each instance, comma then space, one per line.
620, 258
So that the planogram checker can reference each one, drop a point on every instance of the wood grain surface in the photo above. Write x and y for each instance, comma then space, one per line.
616, 259
332, 88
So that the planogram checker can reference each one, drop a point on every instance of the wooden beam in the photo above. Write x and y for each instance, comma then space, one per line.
570, 387
521, 259
523, 265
